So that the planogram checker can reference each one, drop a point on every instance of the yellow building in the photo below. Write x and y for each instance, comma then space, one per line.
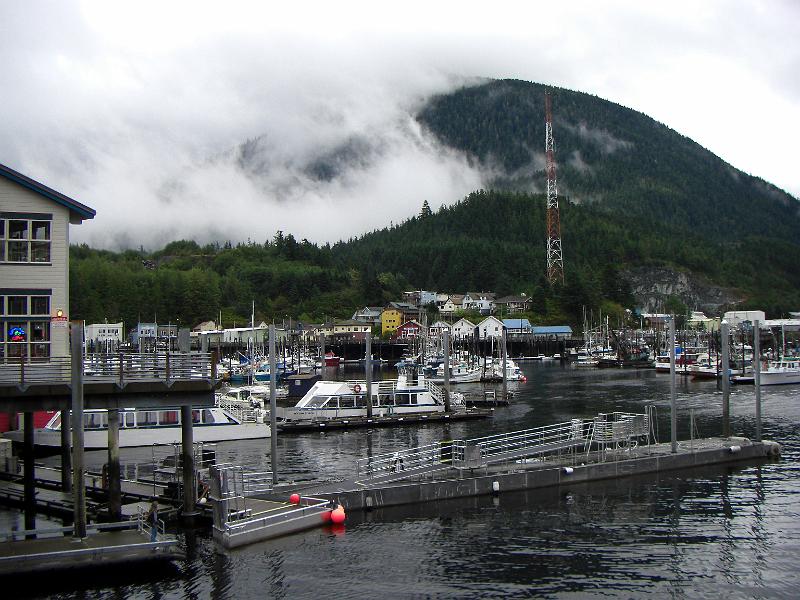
391, 319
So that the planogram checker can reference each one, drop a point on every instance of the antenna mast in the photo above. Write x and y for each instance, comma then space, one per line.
555, 261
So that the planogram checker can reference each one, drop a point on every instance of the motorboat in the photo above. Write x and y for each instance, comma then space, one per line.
783, 371
406, 395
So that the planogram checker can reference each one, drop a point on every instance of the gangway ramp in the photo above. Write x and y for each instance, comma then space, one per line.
601, 432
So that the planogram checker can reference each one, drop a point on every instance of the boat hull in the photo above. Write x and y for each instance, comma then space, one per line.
159, 436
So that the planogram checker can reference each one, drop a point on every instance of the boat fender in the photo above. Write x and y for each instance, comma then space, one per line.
495, 487
734, 449
568, 470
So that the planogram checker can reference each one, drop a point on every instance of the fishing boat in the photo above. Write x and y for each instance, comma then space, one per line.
331, 360
784, 371
221, 423
403, 396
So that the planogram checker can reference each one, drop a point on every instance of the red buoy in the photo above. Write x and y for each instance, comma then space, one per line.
326, 516
294, 498
338, 516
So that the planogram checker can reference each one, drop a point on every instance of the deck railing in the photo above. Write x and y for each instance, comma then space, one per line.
113, 367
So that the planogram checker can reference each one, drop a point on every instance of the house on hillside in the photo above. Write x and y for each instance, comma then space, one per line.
453, 303
420, 298
517, 326
513, 304
463, 328
34, 265
482, 302
490, 327
368, 314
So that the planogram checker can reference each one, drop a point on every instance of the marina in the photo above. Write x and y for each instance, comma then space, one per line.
307, 457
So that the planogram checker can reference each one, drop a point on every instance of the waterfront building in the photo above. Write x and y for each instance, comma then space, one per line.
736, 317
408, 330
517, 326
103, 336
463, 328
34, 266
552, 332
395, 314
490, 327
351, 330
438, 328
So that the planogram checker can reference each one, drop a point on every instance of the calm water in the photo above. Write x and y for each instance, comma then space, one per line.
711, 532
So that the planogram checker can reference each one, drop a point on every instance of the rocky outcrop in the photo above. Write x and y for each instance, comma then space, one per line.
653, 287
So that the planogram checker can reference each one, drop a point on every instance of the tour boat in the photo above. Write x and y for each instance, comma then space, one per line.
347, 399
142, 427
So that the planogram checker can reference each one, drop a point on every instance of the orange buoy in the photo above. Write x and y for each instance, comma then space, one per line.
326, 516
294, 498
338, 516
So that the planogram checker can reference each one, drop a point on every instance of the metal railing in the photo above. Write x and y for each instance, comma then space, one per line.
423, 459
615, 430
236, 484
145, 525
307, 505
112, 367
242, 413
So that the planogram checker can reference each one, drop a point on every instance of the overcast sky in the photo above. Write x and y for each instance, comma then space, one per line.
136, 108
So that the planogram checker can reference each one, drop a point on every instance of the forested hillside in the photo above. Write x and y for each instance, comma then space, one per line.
633, 193
620, 159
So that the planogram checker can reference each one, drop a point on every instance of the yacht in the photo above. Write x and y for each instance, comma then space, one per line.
347, 399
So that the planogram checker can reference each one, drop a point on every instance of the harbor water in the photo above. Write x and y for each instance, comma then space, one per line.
728, 531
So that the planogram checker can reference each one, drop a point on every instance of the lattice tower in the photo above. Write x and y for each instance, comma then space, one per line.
555, 260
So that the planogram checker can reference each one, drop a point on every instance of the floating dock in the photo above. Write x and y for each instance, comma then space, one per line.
579, 451
379, 421
103, 548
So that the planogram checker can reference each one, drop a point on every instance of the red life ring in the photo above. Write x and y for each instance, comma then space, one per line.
357, 388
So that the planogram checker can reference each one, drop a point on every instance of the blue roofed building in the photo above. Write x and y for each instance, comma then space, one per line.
553, 332
517, 326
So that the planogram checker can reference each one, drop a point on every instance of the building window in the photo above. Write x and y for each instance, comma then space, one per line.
25, 326
25, 240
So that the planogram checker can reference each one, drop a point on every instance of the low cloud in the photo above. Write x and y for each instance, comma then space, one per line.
179, 120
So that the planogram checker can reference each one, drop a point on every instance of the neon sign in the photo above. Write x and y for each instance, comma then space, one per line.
16, 334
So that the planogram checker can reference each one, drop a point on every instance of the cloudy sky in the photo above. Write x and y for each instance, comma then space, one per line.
137, 108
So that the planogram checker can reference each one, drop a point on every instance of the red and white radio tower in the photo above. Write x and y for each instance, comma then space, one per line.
555, 261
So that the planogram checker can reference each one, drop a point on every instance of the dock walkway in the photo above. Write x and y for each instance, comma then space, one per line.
102, 548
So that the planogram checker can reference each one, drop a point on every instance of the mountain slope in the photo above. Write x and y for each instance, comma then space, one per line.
607, 154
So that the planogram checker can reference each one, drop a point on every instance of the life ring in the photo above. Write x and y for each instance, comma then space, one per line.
357, 388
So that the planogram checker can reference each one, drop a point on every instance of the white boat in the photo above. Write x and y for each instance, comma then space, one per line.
347, 399
781, 372
513, 372
460, 372
156, 427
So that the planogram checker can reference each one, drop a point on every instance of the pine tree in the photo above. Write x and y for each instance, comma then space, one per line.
426, 210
